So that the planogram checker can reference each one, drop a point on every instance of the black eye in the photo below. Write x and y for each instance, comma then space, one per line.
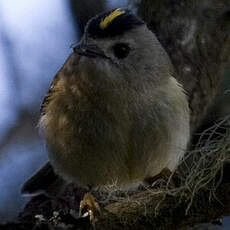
121, 50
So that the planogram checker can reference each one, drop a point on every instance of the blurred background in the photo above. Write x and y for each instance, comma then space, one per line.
35, 40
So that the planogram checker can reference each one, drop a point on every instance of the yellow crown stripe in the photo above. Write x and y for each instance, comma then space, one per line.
108, 19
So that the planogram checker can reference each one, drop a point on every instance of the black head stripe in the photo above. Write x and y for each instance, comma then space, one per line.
117, 26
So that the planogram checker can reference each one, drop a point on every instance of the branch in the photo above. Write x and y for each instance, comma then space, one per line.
148, 209
139, 211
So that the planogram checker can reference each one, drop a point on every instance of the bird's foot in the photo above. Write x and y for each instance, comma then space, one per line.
89, 207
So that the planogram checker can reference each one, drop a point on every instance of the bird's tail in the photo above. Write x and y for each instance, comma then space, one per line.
45, 180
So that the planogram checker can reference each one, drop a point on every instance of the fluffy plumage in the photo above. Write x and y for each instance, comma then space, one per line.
115, 119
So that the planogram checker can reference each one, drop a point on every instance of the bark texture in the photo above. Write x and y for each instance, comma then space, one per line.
196, 36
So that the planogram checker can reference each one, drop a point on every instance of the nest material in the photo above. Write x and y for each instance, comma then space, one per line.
202, 170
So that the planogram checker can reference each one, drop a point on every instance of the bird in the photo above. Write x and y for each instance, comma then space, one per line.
114, 113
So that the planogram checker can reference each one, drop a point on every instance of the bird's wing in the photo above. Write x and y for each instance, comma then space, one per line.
45, 179
48, 94
72, 60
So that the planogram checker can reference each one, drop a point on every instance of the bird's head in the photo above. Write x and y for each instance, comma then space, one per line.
120, 45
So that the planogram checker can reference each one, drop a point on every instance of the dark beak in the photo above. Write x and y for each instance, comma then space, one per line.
88, 51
